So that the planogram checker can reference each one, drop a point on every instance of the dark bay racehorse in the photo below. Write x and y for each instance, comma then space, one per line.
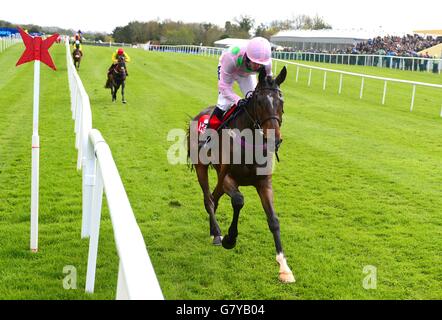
116, 78
77, 55
263, 113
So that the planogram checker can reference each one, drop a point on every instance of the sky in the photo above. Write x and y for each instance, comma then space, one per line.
104, 16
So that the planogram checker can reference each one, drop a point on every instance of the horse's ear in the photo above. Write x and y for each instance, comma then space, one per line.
262, 75
281, 76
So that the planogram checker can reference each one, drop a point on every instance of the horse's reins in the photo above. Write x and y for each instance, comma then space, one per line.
256, 122
118, 66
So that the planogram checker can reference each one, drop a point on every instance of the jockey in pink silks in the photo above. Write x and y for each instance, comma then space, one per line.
241, 65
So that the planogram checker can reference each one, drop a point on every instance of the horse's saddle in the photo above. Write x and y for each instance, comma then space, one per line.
228, 116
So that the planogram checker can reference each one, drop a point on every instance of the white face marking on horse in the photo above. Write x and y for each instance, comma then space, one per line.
270, 98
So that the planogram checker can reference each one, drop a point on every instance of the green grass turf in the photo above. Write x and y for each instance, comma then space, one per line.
358, 184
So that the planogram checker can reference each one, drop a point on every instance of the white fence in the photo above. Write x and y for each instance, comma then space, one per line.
396, 62
6, 42
199, 50
413, 84
382, 61
136, 277
103, 44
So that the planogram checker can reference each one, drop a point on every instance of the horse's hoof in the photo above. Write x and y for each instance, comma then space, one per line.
286, 277
217, 240
124, 101
228, 244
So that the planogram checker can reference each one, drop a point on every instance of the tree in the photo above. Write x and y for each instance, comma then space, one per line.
299, 22
319, 23
245, 23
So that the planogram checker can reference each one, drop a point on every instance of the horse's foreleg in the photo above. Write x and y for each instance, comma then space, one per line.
116, 88
113, 93
265, 192
231, 188
123, 85
209, 204
219, 189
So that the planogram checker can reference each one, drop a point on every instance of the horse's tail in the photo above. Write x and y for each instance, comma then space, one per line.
108, 84
189, 161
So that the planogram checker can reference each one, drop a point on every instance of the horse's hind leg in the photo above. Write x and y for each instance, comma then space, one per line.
231, 188
209, 203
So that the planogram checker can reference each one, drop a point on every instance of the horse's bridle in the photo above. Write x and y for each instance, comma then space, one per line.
258, 123
118, 68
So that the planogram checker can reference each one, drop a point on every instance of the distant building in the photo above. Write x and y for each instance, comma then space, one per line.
327, 40
228, 42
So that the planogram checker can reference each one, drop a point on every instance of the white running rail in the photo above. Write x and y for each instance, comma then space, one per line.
136, 277
6, 42
413, 84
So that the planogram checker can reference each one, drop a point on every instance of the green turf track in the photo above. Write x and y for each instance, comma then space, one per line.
358, 184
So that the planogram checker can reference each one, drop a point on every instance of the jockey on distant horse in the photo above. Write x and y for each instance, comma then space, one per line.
239, 64
78, 37
115, 57
77, 46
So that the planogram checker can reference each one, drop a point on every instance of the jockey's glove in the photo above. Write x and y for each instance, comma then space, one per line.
242, 103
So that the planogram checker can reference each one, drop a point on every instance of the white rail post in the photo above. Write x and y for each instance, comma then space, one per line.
122, 290
385, 92
325, 80
35, 161
89, 176
340, 84
362, 88
412, 98
97, 200
78, 110
310, 77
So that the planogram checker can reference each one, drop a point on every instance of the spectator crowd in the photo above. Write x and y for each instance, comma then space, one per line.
406, 46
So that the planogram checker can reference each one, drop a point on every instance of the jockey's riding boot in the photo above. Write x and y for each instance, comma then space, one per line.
215, 121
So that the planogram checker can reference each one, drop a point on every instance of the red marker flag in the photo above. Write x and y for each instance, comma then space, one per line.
37, 49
